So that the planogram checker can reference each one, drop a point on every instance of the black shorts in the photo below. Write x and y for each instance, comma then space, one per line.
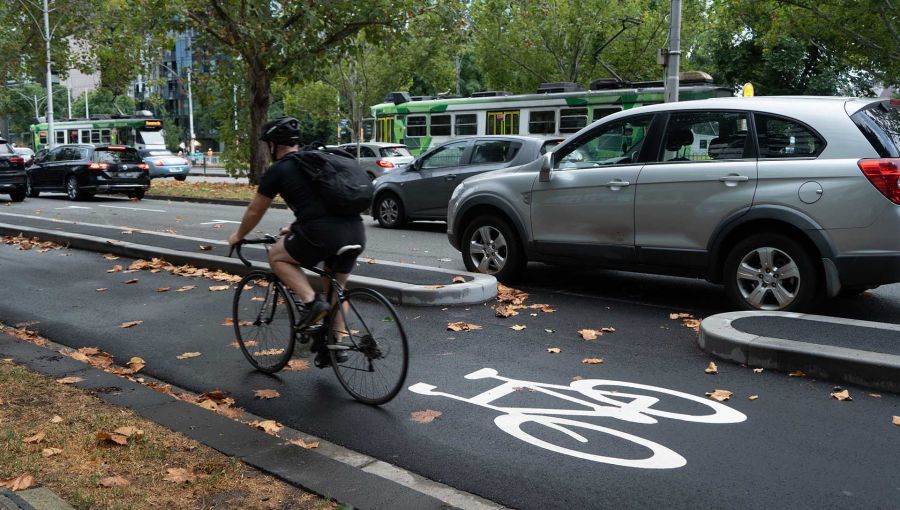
319, 240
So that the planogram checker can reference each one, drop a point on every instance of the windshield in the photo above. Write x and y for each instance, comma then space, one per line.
117, 156
395, 152
880, 124
153, 138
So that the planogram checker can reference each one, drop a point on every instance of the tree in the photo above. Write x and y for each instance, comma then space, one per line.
274, 40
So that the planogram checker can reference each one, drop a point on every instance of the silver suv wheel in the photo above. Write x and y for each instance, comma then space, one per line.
488, 250
387, 210
768, 279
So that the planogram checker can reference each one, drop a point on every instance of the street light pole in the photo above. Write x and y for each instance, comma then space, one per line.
190, 110
51, 137
674, 52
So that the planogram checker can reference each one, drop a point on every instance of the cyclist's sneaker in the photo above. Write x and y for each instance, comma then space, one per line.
313, 312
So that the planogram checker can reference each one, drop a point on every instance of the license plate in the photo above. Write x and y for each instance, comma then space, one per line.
130, 175
176, 169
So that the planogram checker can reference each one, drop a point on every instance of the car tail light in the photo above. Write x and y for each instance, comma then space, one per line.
884, 174
186, 162
17, 159
158, 162
384, 164
98, 166
145, 166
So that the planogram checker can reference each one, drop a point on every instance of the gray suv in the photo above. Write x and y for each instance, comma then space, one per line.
781, 199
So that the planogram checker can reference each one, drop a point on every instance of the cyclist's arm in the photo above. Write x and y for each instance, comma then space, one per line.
254, 213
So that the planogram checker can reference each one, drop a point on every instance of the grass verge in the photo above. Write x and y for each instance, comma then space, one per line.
68, 419
217, 190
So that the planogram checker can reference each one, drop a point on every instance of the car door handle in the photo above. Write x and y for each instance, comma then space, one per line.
734, 178
617, 184
450, 177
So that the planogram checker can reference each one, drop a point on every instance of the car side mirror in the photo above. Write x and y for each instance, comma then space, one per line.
546, 166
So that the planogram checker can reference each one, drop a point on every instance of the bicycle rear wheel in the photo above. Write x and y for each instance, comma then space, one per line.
374, 343
263, 314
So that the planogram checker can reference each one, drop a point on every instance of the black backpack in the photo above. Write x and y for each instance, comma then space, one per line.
345, 188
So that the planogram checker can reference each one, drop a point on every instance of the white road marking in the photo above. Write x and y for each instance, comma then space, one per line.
213, 222
131, 208
72, 207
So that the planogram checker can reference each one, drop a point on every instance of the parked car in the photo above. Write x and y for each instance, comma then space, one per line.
83, 170
12, 172
782, 200
26, 153
420, 190
379, 158
163, 163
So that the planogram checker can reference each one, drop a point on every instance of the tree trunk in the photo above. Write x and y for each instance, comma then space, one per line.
260, 86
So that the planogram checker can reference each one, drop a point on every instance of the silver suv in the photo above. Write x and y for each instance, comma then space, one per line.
782, 199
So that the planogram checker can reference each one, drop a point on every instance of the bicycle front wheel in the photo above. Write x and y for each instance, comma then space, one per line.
366, 330
263, 315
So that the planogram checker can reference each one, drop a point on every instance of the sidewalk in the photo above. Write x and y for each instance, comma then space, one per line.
846, 350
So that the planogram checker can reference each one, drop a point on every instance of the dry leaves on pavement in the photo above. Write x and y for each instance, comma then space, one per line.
518, 327
164, 289
757, 370
797, 373
218, 288
179, 475
110, 256
296, 365
19, 483
719, 395
592, 361
459, 279
753, 397
462, 326
268, 426
185, 288
102, 289
553, 350
49, 452
712, 368
592, 334
266, 394
687, 320
188, 355
840, 394
113, 481
303, 444
426, 416
69, 380
113, 438
115, 269
895, 420
129, 282
130, 324
509, 295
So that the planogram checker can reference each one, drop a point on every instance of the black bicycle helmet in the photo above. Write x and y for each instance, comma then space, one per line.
281, 131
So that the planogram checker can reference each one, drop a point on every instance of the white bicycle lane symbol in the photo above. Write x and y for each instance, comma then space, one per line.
631, 407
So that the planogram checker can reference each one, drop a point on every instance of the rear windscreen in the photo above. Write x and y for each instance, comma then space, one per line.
394, 152
881, 125
117, 156
6, 149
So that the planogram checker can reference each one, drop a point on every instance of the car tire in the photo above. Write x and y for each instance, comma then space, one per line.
29, 190
388, 211
180, 177
17, 195
136, 195
503, 245
752, 278
72, 189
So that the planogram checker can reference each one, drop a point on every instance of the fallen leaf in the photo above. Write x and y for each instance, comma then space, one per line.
49, 452
757, 370
549, 330
518, 327
35, 439
110, 256
505, 311
797, 373
589, 334
188, 355
675, 316
719, 395
163, 289
69, 380
692, 324
266, 394
179, 475
895, 420
129, 432
18, 483
114, 481
267, 426
102, 289
169, 231
268, 352
841, 394
553, 350
215, 395
303, 444
753, 397
459, 279
56, 419
577, 378
185, 288
462, 326
112, 437
296, 365
592, 361
875, 395
712, 368
509, 295
136, 364
115, 269
426, 416
205, 247
218, 288
130, 324
129, 282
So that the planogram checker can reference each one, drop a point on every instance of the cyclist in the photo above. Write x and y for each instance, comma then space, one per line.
315, 236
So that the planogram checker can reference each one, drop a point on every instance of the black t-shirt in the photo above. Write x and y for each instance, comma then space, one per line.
285, 177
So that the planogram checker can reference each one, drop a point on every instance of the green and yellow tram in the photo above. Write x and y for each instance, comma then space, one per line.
140, 132
557, 109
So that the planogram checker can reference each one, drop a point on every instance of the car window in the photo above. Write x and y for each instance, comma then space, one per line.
706, 136
446, 156
116, 156
5, 148
394, 152
549, 145
55, 154
366, 152
70, 154
616, 143
785, 138
880, 123
492, 151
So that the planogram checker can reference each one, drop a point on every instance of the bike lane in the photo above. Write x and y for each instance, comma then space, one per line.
797, 446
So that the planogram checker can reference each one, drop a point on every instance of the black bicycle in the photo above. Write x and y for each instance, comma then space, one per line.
362, 333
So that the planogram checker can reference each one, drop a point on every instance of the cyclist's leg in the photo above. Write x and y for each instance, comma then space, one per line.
288, 270
338, 325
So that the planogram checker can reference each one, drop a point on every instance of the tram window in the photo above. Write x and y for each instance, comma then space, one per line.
60, 136
95, 136
105, 136
572, 119
466, 124
440, 125
600, 112
85, 136
542, 123
416, 125
503, 122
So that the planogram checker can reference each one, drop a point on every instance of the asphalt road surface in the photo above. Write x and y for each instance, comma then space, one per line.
794, 446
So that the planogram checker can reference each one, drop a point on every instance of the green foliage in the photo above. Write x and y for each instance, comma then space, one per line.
103, 100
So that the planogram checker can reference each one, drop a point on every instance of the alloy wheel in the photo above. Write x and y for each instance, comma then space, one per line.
72, 187
389, 210
768, 279
488, 250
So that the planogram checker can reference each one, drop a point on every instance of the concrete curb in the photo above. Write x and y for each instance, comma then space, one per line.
478, 289
865, 368
330, 471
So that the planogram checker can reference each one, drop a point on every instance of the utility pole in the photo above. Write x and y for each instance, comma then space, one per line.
190, 111
69, 96
87, 111
673, 60
51, 138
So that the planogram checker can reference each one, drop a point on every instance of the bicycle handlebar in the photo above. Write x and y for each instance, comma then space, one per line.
267, 239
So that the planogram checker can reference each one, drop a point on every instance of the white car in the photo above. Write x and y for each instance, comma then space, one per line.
378, 158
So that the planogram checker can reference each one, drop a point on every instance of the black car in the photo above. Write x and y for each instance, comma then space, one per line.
83, 170
12, 172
